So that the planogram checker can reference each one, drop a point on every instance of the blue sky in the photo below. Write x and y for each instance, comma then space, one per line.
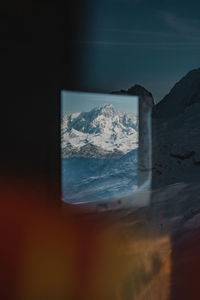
77, 102
150, 42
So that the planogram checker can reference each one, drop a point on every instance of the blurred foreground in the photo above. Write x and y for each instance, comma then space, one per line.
49, 252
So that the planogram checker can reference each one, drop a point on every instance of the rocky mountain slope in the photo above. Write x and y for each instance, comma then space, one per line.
185, 93
136, 90
176, 133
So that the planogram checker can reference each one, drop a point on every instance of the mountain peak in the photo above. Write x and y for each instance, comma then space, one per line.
108, 110
105, 106
137, 90
104, 127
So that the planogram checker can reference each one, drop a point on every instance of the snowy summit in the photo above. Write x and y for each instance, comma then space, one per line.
101, 132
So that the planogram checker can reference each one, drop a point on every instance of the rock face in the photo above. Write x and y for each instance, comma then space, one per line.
184, 94
146, 103
176, 133
140, 91
100, 133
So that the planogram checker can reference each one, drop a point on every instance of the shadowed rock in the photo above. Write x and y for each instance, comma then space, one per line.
176, 131
146, 102
185, 93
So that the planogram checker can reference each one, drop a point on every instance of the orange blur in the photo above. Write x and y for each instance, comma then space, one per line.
48, 253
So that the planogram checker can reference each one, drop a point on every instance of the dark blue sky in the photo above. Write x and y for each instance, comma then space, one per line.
149, 42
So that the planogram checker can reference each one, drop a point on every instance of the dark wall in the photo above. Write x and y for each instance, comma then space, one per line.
39, 58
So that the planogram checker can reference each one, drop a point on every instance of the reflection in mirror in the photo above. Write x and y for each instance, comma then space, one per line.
99, 146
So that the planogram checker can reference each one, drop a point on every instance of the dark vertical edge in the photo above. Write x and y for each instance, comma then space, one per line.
145, 142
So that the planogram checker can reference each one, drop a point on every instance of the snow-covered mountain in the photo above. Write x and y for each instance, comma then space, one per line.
102, 132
